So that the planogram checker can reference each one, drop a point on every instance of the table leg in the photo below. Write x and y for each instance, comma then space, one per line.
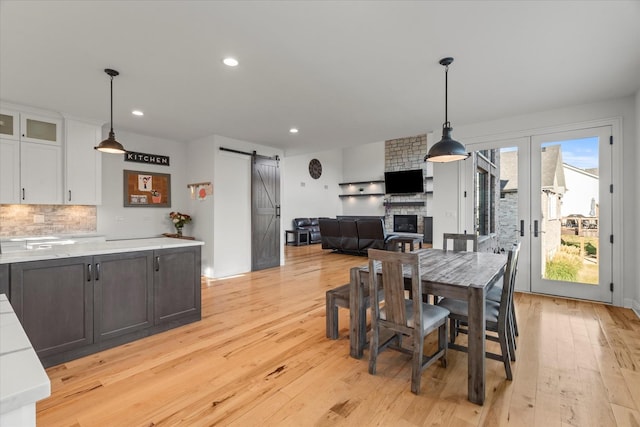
357, 315
476, 356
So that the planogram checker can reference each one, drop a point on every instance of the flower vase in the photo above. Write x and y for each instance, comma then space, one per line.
179, 231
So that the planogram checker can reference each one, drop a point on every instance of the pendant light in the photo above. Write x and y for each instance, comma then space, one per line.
447, 149
110, 145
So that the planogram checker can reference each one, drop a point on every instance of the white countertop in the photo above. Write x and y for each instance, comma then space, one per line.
96, 248
23, 379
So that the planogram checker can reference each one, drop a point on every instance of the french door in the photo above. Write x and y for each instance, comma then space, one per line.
571, 214
552, 193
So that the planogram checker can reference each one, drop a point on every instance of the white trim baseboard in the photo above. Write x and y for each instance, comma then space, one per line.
635, 306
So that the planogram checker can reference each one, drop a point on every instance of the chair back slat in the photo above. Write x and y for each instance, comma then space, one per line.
509, 282
460, 242
393, 284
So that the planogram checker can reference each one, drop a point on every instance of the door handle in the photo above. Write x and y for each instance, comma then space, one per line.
277, 211
521, 228
535, 228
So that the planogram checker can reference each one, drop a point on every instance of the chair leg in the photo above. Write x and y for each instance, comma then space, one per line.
331, 317
511, 338
373, 350
506, 358
452, 331
513, 316
442, 343
416, 362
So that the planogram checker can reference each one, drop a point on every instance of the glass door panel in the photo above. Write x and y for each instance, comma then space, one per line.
497, 183
571, 214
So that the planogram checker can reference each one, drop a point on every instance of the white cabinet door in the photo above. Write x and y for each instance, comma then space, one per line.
9, 171
40, 174
9, 124
83, 165
41, 129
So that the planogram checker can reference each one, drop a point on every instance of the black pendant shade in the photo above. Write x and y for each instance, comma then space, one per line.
447, 149
110, 145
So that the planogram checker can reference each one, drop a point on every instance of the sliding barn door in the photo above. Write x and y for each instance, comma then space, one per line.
265, 216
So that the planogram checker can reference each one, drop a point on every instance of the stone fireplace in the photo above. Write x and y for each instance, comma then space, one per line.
405, 154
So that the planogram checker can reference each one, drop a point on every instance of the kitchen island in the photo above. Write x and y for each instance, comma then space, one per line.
74, 300
24, 380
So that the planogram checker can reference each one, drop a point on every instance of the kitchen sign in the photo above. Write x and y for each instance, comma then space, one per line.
152, 159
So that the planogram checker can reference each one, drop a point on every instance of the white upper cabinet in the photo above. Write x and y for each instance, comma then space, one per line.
40, 174
40, 129
9, 124
83, 164
9, 171
31, 157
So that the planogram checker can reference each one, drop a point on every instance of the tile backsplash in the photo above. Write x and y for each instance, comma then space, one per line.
37, 220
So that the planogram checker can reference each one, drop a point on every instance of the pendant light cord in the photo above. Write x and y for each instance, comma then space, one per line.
111, 104
446, 96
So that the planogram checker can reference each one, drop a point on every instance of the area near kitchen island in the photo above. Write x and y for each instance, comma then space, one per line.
74, 300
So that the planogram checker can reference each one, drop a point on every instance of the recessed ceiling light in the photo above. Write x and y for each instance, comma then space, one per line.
137, 113
231, 62
293, 130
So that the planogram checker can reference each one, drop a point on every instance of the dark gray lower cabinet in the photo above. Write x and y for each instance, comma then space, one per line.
175, 272
71, 307
123, 285
4, 279
54, 301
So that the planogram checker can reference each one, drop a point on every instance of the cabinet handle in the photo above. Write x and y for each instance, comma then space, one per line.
97, 271
521, 228
22, 193
157, 268
89, 272
535, 228
69, 195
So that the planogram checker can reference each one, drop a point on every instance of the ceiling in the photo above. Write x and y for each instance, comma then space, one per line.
343, 72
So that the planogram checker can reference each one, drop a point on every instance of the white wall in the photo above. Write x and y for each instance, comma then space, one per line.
201, 155
118, 222
231, 215
635, 303
303, 196
447, 183
363, 163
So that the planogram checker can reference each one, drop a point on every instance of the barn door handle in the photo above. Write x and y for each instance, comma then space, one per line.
278, 211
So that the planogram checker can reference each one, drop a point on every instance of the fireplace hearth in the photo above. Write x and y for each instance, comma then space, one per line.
405, 223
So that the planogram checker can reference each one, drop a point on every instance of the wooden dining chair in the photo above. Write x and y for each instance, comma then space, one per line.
460, 242
397, 316
496, 316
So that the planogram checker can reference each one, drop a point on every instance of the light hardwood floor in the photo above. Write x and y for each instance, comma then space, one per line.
260, 357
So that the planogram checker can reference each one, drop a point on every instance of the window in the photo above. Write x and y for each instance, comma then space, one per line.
486, 192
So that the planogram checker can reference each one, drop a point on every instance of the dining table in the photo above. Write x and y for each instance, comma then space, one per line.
461, 275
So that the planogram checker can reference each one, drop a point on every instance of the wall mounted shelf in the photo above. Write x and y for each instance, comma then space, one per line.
362, 182
361, 195
392, 204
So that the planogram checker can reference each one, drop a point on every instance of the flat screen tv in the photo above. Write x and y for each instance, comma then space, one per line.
403, 182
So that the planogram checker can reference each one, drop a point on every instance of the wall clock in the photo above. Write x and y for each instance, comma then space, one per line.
315, 168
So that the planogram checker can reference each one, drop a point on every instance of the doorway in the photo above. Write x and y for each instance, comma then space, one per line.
552, 193
265, 212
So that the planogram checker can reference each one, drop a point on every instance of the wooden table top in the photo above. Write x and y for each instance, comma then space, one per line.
464, 269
